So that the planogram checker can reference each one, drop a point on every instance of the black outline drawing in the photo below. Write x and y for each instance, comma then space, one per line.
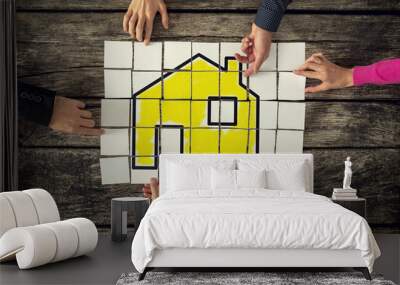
223, 68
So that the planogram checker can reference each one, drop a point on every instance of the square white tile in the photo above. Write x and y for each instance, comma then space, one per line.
142, 176
268, 114
114, 170
228, 112
117, 83
291, 55
289, 141
264, 85
176, 53
209, 50
117, 54
291, 86
291, 115
270, 63
171, 140
267, 141
143, 79
115, 112
114, 142
147, 57
229, 50
214, 111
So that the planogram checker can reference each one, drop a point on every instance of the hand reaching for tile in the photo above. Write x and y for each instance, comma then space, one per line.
151, 190
139, 18
69, 117
332, 76
256, 47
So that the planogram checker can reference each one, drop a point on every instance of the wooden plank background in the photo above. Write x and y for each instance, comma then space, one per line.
60, 46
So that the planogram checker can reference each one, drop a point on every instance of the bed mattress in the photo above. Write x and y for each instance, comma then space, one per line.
250, 219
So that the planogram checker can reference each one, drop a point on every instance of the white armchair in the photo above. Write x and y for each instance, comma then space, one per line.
31, 230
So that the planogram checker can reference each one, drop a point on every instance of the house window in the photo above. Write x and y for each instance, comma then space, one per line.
222, 111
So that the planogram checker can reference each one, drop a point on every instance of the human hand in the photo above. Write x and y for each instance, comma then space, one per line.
69, 117
151, 190
332, 76
256, 47
140, 17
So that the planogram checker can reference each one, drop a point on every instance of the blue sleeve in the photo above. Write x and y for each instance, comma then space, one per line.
35, 104
270, 14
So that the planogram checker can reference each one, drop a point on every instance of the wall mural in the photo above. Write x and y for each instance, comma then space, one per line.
183, 97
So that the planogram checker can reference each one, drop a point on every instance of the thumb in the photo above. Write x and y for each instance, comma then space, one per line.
164, 16
257, 64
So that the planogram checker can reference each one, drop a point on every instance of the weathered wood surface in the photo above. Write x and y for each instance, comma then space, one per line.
214, 5
328, 124
70, 28
60, 46
73, 177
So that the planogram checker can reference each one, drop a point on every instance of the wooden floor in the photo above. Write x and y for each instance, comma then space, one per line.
103, 266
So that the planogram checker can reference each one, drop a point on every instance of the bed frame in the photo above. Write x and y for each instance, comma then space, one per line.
245, 258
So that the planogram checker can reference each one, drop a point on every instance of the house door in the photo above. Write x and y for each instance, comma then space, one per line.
172, 139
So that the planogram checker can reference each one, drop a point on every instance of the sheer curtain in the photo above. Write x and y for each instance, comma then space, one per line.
8, 99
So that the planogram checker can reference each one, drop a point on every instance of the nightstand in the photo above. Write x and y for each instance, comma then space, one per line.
358, 205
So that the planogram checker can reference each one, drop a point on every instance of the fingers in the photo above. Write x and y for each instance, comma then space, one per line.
308, 74
246, 44
89, 131
149, 29
242, 58
125, 22
79, 104
310, 66
132, 25
85, 114
317, 88
164, 16
86, 123
139, 28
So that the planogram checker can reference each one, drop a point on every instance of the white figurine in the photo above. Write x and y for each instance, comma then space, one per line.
347, 174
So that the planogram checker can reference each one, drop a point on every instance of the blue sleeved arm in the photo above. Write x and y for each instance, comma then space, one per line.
270, 14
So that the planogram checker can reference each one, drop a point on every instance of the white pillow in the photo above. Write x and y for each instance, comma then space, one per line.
223, 179
193, 175
281, 174
251, 178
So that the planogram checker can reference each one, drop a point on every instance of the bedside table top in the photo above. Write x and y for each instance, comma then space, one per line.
350, 200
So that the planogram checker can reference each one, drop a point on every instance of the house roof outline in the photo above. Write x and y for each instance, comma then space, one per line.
223, 67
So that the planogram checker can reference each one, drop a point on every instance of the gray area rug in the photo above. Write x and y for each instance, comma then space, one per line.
243, 278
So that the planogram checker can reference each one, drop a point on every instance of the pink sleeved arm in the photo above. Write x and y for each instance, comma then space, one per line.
379, 73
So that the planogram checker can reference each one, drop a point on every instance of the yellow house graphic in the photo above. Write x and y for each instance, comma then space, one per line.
205, 111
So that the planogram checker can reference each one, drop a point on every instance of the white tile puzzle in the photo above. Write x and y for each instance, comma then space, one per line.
115, 112
289, 141
175, 53
171, 140
291, 115
117, 83
117, 54
114, 142
264, 85
147, 57
158, 99
291, 55
291, 86
268, 114
114, 170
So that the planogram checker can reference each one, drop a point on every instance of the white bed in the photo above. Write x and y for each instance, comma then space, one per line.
250, 227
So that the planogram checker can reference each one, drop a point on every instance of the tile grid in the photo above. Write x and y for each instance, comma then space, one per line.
219, 111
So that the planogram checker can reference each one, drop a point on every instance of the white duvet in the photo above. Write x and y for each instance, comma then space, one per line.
252, 218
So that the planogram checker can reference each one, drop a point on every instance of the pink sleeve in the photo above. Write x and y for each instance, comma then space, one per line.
379, 73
